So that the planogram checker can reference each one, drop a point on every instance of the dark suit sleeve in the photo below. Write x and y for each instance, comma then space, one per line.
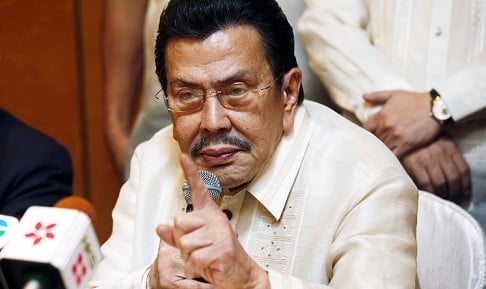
35, 170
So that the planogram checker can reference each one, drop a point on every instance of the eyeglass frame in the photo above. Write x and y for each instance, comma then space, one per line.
219, 96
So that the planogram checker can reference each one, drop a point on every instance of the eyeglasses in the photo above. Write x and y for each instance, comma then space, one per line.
234, 97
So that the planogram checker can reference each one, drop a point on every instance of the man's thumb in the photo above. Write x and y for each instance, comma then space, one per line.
379, 97
200, 196
166, 234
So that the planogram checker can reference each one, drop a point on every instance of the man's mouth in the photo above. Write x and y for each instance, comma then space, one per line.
218, 157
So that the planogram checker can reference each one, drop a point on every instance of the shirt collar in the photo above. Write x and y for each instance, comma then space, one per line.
272, 186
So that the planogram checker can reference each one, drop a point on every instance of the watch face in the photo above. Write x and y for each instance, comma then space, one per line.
440, 111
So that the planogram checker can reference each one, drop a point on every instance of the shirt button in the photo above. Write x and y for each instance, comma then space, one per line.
438, 32
228, 214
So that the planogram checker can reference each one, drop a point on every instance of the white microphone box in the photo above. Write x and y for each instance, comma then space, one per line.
57, 245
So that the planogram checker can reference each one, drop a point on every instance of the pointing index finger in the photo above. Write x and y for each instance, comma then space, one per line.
200, 196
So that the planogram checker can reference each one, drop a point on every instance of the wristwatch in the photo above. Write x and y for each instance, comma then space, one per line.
439, 109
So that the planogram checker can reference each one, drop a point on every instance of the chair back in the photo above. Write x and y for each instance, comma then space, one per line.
451, 250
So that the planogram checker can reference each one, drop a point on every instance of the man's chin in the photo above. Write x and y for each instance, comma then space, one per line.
232, 185
230, 177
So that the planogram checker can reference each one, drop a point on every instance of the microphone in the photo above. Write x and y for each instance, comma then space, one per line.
77, 203
53, 248
212, 184
214, 188
8, 226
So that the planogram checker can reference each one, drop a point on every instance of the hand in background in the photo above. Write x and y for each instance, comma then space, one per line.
404, 122
441, 169
207, 244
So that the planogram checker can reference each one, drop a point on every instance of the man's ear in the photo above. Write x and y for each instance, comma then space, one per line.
291, 82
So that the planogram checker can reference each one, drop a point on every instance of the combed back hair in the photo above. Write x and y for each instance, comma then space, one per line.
198, 19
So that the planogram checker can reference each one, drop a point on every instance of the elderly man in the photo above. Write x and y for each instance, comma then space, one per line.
303, 206
129, 32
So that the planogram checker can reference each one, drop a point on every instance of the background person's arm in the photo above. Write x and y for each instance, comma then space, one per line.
341, 54
123, 64
464, 92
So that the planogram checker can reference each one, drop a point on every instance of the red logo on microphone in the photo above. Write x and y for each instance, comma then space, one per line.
41, 232
79, 269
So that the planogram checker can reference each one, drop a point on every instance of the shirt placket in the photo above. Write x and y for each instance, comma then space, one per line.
440, 21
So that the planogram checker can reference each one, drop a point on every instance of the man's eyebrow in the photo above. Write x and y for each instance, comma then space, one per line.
238, 76
181, 82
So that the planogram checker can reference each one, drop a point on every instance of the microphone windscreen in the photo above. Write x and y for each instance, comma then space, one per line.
77, 203
212, 184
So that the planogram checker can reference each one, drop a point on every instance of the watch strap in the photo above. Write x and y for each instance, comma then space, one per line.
437, 101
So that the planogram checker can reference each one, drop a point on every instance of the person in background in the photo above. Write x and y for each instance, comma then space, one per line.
129, 74
309, 199
413, 73
34, 168
129, 30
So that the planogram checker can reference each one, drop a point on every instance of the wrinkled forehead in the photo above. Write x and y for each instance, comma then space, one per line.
224, 54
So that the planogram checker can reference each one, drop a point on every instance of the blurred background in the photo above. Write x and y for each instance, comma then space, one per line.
50, 78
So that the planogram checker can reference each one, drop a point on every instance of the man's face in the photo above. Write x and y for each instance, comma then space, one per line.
233, 144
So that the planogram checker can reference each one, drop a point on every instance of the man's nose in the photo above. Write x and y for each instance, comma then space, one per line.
214, 116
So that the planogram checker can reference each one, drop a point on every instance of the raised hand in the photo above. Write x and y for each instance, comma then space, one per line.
207, 243
404, 122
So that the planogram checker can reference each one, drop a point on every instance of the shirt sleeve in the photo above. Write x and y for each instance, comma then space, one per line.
35, 169
115, 271
341, 54
464, 92
381, 246
135, 280
374, 245
40, 174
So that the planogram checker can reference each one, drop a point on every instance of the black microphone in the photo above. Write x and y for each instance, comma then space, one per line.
212, 184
